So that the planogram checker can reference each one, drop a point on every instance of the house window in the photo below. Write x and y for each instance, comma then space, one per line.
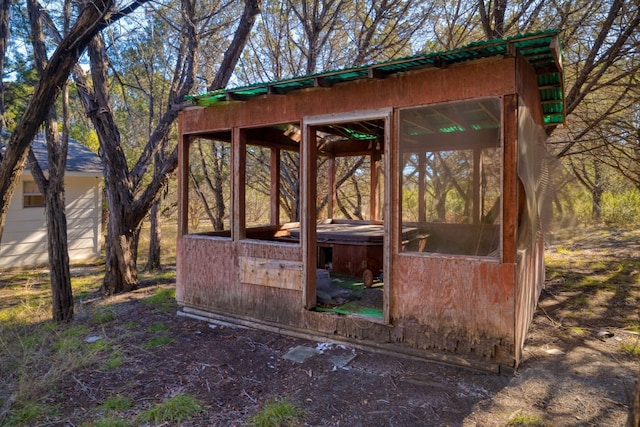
31, 195
451, 172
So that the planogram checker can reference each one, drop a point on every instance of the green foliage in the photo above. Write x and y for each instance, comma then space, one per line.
114, 361
176, 409
632, 348
109, 422
117, 403
157, 342
164, 299
621, 209
27, 413
278, 413
100, 317
159, 327
527, 420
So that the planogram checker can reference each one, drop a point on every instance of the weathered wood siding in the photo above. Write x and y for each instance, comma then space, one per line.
24, 242
459, 306
455, 304
214, 282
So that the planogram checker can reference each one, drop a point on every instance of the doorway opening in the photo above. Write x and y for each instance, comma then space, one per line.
347, 235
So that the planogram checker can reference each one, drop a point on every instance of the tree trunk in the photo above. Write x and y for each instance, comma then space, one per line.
121, 273
231, 56
90, 21
53, 186
155, 235
4, 36
61, 292
634, 408
596, 193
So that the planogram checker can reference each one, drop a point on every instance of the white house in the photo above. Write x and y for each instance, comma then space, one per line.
24, 242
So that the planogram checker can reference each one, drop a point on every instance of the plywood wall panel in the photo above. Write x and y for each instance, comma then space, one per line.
454, 304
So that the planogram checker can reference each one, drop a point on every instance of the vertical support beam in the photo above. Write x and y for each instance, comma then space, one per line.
183, 183
275, 186
422, 172
308, 153
392, 219
331, 196
477, 186
238, 182
510, 177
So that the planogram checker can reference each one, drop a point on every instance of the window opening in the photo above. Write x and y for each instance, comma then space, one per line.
209, 196
451, 166
31, 195
272, 182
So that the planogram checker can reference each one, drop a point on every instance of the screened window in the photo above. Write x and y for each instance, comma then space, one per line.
31, 195
451, 166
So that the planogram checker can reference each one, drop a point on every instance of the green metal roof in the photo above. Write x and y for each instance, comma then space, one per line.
541, 49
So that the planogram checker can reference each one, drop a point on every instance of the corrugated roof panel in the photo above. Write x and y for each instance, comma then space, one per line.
537, 48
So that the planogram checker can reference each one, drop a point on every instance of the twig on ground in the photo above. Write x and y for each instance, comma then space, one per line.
556, 324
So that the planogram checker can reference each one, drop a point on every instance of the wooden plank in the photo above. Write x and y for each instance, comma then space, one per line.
275, 186
271, 272
308, 213
183, 182
238, 182
392, 223
510, 177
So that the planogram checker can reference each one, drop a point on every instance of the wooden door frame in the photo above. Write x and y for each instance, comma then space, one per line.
308, 155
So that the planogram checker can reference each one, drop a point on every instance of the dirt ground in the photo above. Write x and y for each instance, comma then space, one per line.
578, 368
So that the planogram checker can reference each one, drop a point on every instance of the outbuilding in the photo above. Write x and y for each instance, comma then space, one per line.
394, 206
24, 241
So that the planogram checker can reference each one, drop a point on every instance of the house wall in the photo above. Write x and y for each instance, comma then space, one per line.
24, 242
459, 305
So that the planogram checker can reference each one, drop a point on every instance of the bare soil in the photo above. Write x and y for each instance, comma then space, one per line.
578, 368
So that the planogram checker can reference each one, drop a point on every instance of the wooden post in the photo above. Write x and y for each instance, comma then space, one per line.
238, 181
510, 176
308, 155
183, 184
275, 186
392, 220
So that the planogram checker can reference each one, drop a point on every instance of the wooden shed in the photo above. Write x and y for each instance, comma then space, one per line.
24, 242
393, 206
